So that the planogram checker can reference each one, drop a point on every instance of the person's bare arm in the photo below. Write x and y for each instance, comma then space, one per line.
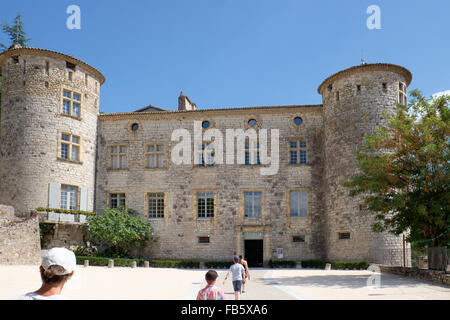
246, 269
226, 277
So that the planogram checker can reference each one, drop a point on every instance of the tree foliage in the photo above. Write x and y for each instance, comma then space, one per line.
16, 32
404, 171
119, 230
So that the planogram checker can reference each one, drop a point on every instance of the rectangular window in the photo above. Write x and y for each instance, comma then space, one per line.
70, 66
205, 155
252, 156
298, 203
69, 197
203, 239
70, 147
402, 95
155, 205
297, 239
71, 103
155, 156
298, 152
205, 204
252, 204
344, 235
117, 200
118, 156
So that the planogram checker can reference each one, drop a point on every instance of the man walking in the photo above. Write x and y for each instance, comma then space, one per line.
238, 276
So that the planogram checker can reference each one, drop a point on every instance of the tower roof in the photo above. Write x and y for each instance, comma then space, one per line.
367, 67
17, 50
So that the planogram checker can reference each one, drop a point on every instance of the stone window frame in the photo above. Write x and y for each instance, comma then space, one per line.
108, 198
261, 204
298, 150
212, 123
130, 125
295, 126
339, 233
402, 93
299, 242
242, 217
110, 154
78, 195
71, 101
195, 193
259, 122
165, 219
164, 206
204, 243
248, 150
157, 153
288, 203
198, 153
70, 143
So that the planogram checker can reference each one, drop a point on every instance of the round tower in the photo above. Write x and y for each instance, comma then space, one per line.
49, 110
353, 102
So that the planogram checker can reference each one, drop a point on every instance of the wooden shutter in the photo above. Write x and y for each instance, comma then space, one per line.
84, 199
54, 194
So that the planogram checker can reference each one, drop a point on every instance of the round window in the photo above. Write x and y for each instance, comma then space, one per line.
135, 127
252, 122
298, 121
206, 124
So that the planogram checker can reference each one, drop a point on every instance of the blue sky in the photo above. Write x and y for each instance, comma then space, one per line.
229, 53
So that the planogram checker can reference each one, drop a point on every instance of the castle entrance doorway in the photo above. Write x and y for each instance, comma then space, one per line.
254, 253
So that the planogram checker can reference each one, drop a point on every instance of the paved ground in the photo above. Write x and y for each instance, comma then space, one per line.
172, 284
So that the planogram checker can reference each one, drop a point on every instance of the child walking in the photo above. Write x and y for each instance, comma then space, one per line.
238, 276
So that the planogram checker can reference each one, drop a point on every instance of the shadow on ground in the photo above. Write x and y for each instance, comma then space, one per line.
348, 281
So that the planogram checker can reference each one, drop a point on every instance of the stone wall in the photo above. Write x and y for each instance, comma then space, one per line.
32, 121
19, 238
354, 101
439, 277
178, 232
66, 236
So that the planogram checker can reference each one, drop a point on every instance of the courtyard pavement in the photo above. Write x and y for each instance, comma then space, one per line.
101, 283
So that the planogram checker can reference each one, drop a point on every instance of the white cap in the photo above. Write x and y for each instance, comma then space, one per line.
60, 257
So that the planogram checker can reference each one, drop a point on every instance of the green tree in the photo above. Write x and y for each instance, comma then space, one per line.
119, 230
16, 32
404, 171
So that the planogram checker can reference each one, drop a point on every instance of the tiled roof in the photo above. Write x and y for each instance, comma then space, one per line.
168, 112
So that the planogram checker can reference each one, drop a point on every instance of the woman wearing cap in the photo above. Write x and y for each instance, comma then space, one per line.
57, 267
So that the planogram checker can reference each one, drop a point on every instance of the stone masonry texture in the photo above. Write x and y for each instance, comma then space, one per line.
353, 102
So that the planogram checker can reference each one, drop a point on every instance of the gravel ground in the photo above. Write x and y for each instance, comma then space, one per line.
101, 283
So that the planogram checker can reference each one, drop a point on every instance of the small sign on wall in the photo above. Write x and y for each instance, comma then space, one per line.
280, 253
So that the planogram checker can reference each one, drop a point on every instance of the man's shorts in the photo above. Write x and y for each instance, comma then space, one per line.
237, 285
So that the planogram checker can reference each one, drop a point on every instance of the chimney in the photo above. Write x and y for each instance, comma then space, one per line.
185, 104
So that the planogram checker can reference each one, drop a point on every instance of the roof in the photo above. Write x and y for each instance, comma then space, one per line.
368, 67
202, 111
17, 50
150, 108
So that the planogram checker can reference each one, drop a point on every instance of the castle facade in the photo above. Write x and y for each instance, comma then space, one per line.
58, 151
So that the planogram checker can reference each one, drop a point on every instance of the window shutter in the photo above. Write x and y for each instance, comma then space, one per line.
54, 195
84, 199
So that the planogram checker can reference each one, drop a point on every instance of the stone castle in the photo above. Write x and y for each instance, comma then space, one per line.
58, 151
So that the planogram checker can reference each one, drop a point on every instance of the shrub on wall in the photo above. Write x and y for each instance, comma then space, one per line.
103, 262
75, 212
175, 264
218, 264
314, 264
282, 264
351, 265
